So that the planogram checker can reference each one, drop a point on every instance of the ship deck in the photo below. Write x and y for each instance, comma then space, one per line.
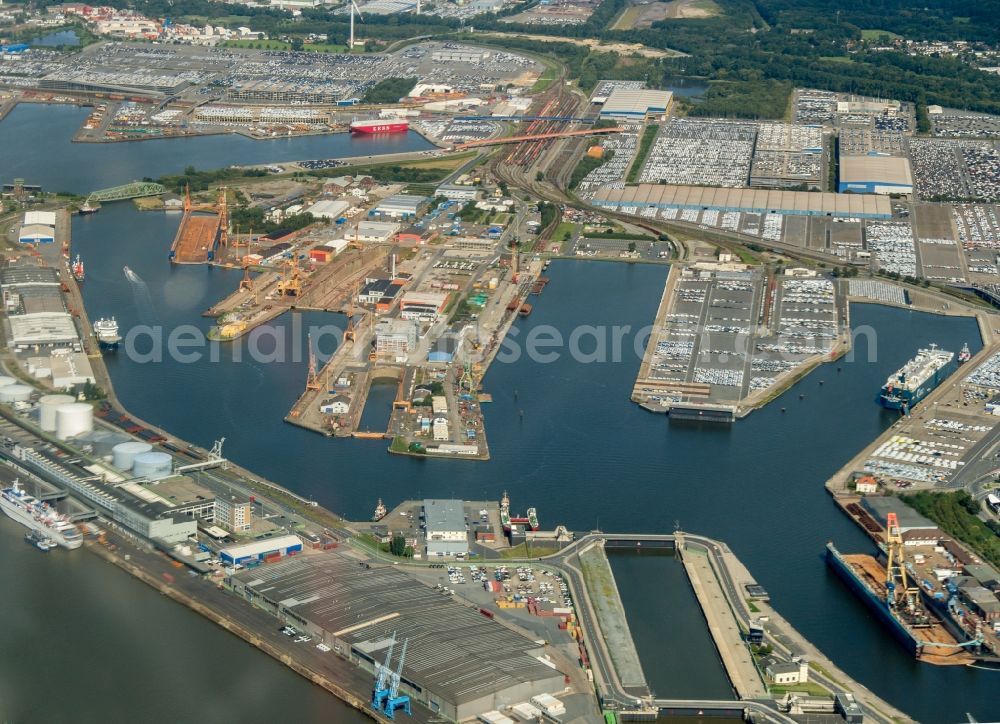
873, 574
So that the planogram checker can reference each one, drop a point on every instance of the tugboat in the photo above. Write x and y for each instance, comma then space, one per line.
106, 331
77, 269
964, 354
41, 541
88, 209
380, 511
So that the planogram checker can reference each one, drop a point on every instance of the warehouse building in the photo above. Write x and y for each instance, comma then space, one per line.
268, 549
458, 663
635, 199
36, 234
915, 528
422, 306
402, 206
328, 209
636, 104
875, 175
378, 232
444, 520
456, 192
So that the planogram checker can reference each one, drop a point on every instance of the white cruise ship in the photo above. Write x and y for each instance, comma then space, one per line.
40, 516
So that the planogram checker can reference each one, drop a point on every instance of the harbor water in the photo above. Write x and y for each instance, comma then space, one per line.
563, 436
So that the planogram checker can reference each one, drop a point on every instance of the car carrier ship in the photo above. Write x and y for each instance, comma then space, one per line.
916, 379
376, 126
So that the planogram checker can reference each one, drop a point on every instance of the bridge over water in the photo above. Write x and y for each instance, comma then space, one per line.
134, 190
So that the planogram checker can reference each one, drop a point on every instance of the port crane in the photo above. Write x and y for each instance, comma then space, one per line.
381, 691
900, 592
395, 700
312, 377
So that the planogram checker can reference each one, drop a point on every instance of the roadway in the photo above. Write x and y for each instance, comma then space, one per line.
780, 634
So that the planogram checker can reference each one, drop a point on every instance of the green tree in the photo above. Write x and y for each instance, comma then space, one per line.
398, 545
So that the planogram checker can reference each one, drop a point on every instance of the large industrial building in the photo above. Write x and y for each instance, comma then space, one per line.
402, 206
875, 175
37, 316
444, 524
633, 199
458, 663
636, 104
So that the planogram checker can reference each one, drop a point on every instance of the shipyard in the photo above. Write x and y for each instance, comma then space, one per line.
272, 275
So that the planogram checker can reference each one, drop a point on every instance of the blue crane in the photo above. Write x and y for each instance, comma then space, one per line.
380, 693
395, 699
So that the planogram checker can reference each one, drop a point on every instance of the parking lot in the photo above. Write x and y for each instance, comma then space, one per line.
963, 124
701, 153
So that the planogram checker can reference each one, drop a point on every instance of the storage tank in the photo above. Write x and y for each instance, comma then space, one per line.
153, 465
15, 393
47, 406
5, 380
102, 442
123, 454
74, 418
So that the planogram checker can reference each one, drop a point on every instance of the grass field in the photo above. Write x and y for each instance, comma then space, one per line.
875, 34
448, 162
547, 78
565, 227
628, 18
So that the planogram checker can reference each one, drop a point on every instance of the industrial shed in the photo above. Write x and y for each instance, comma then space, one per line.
636, 103
458, 662
631, 199
36, 234
875, 175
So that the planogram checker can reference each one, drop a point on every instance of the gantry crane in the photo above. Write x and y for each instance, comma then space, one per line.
312, 376
899, 591
246, 283
381, 692
395, 700
290, 284
350, 335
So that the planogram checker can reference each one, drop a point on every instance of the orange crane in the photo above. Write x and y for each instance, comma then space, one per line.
350, 334
312, 377
246, 283
290, 284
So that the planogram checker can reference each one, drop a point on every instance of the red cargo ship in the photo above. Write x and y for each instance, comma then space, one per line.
380, 126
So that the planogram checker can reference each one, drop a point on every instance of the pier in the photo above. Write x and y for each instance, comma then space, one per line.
728, 338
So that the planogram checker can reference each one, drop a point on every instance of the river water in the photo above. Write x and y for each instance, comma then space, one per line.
563, 437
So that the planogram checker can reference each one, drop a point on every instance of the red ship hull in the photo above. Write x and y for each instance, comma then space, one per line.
369, 127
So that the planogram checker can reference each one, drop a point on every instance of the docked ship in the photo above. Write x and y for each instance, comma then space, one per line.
909, 621
506, 519
380, 511
916, 379
106, 331
964, 354
377, 126
37, 515
76, 268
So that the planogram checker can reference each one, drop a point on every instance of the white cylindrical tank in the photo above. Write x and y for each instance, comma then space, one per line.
124, 454
15, 393
74, 418
47, 406
5, 380
152, 465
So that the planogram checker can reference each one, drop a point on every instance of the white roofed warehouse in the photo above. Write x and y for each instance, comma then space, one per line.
636, 104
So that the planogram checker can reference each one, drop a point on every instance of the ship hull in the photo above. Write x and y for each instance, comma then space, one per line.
28, 521
386, 127
108, 344
906, 399
854, 582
